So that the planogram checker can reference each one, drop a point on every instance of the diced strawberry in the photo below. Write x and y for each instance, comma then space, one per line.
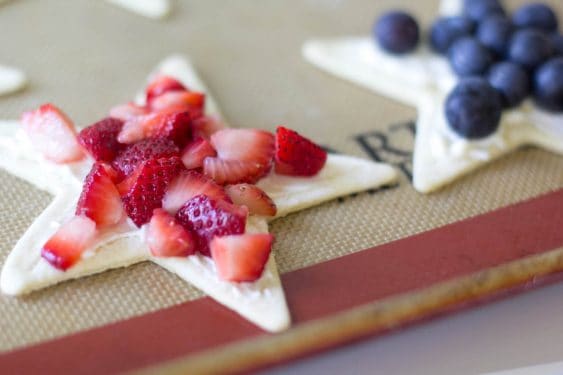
297, 155
167, 238
206, 126
133, 155
180, 101
52, 133
207, 218
146, 190
232, 171
66, 246
160, 85
125, 112
241, 257
100, 200
186, 186
100, 139
175, 126
195, 152
254, 198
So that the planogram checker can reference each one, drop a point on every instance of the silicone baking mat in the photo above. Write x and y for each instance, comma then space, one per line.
88, 55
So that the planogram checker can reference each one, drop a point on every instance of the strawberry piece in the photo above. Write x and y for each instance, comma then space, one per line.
146, 187
175, 126
52, 133
180, 101
167, 238
232, 171
125, 112
186, 186
206, 126
160, 85
132, 156
241, 257
66, 246
297, 155
254, 198
207, 218
195, 152
100, 200
100, 139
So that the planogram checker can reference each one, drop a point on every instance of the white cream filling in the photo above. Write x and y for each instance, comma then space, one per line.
147, 8
11, 80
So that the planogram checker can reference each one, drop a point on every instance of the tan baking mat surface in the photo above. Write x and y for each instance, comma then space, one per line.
88, 55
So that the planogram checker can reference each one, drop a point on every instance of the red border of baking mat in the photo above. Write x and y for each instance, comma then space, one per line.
462, 248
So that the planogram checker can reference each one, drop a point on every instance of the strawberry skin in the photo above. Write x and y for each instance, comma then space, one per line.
66, 246
254, 198
167, 238
241, 257
208, 218
146, 187
52, 133
127, 161
195, 152
186, 186
160, 85
100, 139
100, 200
296, 155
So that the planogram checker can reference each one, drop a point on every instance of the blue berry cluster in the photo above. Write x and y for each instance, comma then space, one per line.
501, 59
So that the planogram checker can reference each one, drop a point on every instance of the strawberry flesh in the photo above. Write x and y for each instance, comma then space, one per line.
205, 126
66, 246
195, 152
296, 155
180, 101
167, 238
254, 198
241, 257
160, 85
207, 218
100, 139
146, 187
133, 155
232, 171
128, 111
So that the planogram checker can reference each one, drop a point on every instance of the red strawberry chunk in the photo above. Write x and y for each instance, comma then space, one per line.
66, 246
180, 101
233, 171
241, 257
125, 112
207, 218
132, 156
52, 133
195, 152
244, 144
147, 186
167, 238
206, 126
254, 198
175, 126
186, 186
160, 85
100, 139
297, 155
100, 200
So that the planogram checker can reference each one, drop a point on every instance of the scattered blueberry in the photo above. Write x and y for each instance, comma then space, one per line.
447, 30
468, 57
511, 81
397, 32
478, 10
535, 16
473, 108
557, 44
494, 33
548, 85
529, 48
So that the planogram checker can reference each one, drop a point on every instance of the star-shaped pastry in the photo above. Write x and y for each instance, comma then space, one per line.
262, 301
11, 80
423, 79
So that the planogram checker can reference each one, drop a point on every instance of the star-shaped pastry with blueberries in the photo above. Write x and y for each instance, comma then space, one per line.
37, 262
459, 125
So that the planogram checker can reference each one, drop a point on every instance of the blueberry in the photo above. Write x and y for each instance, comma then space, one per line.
447, 30
557, 44
529, 48
468, 57
473, 108
397, 32
494, 33
478, 10
511, 81
548, 85
535, 16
